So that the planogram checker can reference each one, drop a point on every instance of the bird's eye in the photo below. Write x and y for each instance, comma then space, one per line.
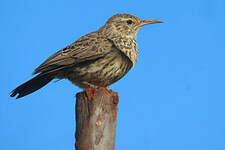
129, 21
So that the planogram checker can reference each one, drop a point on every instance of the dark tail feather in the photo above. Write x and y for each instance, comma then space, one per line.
32, 85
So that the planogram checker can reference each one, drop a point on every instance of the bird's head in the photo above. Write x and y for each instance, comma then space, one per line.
125, 25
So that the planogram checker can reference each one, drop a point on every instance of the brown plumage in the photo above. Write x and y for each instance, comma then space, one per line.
99, 58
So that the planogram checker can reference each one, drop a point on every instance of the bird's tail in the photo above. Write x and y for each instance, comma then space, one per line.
32, 85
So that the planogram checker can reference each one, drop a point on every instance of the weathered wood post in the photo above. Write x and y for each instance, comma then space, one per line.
96, 114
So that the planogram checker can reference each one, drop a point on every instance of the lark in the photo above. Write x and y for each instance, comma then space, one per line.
99, 58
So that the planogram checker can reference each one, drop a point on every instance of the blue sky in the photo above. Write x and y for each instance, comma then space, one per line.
173, 99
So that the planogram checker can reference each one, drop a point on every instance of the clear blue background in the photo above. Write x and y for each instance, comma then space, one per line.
174, 98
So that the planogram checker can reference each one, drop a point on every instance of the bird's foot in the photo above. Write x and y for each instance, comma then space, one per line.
111, 92
90, 91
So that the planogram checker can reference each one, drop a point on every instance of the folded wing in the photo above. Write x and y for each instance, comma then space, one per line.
88, 47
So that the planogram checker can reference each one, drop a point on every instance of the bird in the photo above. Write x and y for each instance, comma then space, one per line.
97, 59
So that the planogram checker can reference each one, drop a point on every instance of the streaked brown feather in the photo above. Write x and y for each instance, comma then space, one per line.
86, 48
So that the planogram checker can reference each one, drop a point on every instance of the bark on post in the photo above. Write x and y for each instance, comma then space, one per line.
96, 114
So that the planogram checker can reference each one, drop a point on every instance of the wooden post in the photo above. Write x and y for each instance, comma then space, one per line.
96, 114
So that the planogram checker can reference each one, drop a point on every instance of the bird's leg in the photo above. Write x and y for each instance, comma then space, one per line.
89, 85
90, 91
115, 94
107, 89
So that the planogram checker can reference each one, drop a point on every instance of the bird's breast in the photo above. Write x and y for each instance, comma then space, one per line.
128, 46
103, 71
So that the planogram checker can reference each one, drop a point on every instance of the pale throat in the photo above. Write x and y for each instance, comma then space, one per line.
124, 42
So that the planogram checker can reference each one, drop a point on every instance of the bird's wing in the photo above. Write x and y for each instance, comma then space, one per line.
89, 47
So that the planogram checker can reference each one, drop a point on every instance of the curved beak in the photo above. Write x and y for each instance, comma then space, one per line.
149, 21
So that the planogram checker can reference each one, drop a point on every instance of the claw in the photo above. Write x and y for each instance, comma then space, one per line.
90, 92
